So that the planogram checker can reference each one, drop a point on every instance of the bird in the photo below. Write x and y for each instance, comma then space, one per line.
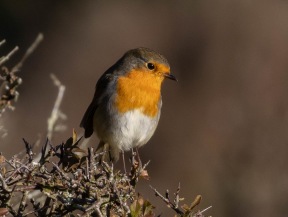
126, 106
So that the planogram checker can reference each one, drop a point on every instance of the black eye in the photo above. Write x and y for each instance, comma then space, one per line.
150, 66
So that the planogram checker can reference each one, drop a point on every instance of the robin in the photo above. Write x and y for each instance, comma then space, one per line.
126, 106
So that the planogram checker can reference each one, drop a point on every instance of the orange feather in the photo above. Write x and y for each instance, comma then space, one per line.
139, 90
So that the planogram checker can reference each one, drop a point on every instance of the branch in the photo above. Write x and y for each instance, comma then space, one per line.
169, 203
28, 52
56, 113
8, 56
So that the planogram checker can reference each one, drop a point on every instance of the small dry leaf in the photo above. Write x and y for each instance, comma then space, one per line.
3, 170
74, 136
142, 208
79, 153
113, 214
144, 174
3, 211
196, 201
2, 159
140, 200
185, 207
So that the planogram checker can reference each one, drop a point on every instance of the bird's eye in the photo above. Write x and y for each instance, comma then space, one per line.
150, 66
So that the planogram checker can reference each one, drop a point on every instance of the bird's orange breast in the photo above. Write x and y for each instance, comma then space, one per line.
139, 90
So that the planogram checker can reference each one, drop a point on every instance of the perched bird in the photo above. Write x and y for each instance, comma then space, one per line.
126, 106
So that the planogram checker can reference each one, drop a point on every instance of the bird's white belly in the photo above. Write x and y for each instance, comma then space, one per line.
128, 130
132, 129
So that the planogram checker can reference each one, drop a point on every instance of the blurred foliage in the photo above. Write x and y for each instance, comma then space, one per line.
9, 82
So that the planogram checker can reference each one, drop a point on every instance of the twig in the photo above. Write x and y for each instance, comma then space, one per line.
4, 185
26, 188
167, 201
28, 52
95, 207
145, 165
8, 56
2, 42
204, 210
61, 172
31, 212
56, 109
22, 205
29, 151
91, 161
177, 198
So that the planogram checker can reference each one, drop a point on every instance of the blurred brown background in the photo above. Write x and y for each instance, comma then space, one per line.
224, 126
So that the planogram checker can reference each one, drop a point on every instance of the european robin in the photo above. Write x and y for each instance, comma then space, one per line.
126, 106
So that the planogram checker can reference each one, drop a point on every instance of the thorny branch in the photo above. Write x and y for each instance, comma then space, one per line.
70, 183
184, 210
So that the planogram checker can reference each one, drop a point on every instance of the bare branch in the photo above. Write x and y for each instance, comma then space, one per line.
2, 42
56, 113
8, 56
28, 52
167, 201
4, 185
9, 80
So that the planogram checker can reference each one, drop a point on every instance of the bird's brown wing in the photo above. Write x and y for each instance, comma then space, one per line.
87, 120
104, 87
100, 90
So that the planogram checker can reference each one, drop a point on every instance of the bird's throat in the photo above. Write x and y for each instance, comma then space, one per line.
139, 90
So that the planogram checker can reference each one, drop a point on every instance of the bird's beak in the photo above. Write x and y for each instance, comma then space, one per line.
170, 76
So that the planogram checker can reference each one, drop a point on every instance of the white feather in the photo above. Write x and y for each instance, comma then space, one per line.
128, 130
